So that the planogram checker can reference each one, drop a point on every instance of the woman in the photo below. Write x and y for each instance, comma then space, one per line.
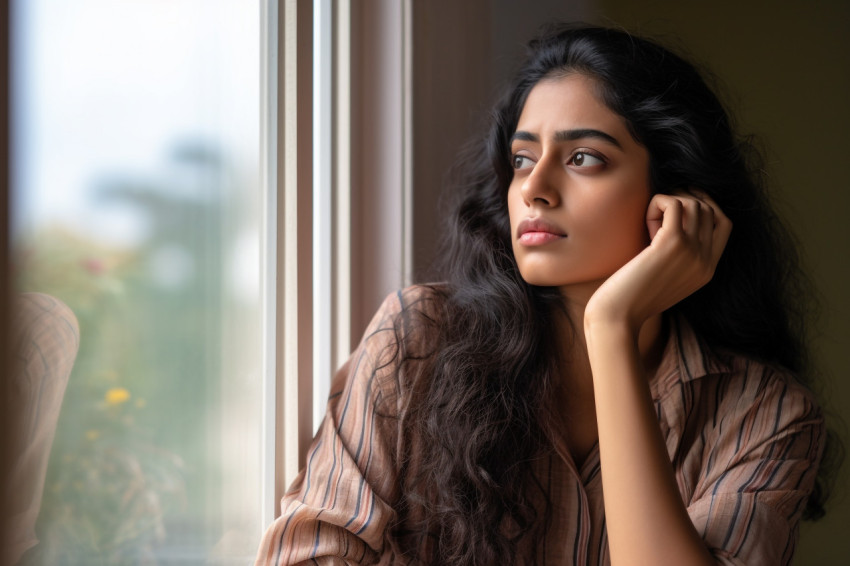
601, 326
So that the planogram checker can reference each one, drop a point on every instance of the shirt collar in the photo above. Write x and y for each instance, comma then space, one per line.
685, 357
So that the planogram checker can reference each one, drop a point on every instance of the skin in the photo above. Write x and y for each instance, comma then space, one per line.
620, 257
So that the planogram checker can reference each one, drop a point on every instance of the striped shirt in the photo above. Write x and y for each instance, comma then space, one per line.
744, 440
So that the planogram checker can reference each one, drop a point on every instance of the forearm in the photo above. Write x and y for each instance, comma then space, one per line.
646, 520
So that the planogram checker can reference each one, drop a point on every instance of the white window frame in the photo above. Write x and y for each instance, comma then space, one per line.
337, 228
362, 61
286, 271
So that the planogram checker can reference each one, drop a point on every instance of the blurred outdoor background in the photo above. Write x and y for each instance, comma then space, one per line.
135, 201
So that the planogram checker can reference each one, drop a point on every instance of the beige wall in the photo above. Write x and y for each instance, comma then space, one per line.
785, 68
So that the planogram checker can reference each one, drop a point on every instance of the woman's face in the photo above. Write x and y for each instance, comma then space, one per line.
580, 190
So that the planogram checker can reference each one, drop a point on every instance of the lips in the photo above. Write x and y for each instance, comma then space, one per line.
537, 231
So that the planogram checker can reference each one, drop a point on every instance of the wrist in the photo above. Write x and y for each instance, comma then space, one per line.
606, 337
610, 334
599, 318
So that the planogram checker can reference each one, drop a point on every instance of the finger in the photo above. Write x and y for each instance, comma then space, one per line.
707, 225
721, 225
691, 216
666, 212
694, 211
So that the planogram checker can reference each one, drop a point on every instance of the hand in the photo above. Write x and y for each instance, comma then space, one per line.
688, 233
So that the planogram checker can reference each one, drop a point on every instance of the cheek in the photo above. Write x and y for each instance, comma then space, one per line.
608, 206
616, 217
631, 217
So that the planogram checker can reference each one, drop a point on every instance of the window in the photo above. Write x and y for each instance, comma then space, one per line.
139, 201
170, 192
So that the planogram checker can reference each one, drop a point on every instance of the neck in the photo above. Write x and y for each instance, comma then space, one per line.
571, 331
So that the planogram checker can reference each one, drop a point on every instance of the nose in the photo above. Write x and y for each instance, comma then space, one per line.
542, 186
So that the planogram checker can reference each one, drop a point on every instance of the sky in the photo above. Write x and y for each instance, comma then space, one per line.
109, 89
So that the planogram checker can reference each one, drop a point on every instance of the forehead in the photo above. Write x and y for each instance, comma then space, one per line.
564, 102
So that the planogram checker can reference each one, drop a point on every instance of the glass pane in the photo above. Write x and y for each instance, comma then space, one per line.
136, 201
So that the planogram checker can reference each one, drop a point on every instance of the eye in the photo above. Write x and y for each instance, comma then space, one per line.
521, 161
585, 159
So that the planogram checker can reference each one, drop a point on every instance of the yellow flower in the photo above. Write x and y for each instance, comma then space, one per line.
92, 435
116, 396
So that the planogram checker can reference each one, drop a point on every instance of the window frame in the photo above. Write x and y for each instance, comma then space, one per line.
331, 257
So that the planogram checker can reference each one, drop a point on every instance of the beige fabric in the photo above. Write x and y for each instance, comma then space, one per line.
46, 338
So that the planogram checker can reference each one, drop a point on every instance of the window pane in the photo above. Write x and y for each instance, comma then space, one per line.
137, 202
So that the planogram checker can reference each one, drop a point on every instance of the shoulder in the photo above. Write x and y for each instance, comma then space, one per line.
765, 401
743, 408
689, 362
738, 403
750, 454
408, 316
425, 297
397, 344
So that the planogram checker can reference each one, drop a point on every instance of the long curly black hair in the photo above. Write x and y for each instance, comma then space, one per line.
491, 370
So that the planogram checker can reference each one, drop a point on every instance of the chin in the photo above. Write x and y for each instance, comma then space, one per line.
544, 279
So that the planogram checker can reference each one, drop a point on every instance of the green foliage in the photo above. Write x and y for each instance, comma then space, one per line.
130, 461
110, 486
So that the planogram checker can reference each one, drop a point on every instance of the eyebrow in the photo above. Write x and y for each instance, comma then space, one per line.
568, 135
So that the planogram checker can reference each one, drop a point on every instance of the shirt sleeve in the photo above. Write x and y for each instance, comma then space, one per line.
760, 468
338, 509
